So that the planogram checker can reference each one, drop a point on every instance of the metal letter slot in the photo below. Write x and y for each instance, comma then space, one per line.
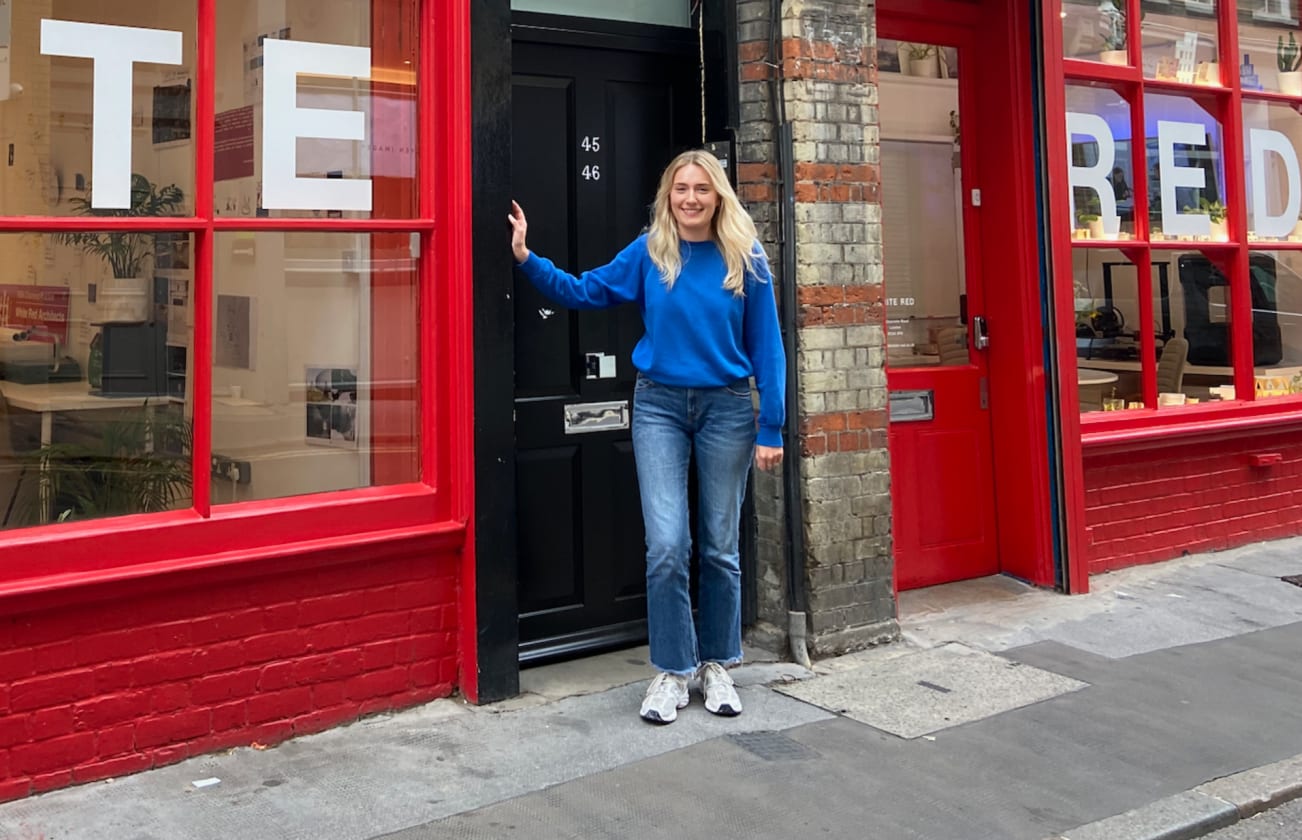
912, 406
582, 418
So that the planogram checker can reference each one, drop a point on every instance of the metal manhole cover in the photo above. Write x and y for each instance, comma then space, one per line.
1296, 580
772, 746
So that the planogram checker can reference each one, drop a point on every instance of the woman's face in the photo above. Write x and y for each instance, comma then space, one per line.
693, 201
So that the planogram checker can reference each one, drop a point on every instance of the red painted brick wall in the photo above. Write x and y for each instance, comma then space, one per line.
1143, 506
101, 688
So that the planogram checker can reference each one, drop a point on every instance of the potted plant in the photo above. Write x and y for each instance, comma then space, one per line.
138, 463
924, 61
1088, 215
1288, 57
1112, 25
126, 252
1215, 211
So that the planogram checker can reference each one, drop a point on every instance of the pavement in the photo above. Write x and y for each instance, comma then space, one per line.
1165, 704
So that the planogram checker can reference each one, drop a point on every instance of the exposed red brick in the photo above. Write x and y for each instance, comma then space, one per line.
39, 757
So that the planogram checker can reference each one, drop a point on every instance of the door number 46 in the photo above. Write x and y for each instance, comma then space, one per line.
591, 173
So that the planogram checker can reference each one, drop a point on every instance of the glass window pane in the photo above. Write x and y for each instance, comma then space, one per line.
49, 120
1184, 140
1180, 43
260, 167
1107, 330
922, 218
1101, 163
315, 382
1201, 314
661, 12
1094, 31
1275, 284
1271, 136
95, 376
1271, 52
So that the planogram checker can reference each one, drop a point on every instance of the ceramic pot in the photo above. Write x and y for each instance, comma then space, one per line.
928, 67
1114, 57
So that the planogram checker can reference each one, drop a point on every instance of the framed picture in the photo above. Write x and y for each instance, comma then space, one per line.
171, 113
331, 406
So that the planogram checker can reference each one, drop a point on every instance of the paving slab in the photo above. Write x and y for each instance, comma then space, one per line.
931, 690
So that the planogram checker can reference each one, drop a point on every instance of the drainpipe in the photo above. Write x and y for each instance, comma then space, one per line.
793, 498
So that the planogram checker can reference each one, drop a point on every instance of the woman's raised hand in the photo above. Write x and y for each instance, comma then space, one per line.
519, 227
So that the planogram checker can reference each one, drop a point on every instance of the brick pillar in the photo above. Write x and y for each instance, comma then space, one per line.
827, 52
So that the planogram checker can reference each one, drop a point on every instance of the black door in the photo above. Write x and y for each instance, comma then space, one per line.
592, 129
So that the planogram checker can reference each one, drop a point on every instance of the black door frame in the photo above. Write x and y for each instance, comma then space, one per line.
493, 26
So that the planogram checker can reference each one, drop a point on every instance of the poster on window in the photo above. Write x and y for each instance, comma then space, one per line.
331, 406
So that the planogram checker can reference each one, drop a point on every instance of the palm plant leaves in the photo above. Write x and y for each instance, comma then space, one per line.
125, 252
135, 465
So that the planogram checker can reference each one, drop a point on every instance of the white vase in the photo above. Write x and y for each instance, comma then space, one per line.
1114, 57
928, 67
1290, 83
123, 300
1096, 229
1220, 232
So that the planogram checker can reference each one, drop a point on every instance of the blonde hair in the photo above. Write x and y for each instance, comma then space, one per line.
732, 228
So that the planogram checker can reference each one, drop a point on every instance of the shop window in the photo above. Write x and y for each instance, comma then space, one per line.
313, 384
1180, 41
1101, 163
1276, 284
270, 335
1108, 324
314, 63
96, 390
1186, 171
50, 92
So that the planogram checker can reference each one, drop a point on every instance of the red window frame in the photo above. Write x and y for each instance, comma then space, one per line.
1225, 103
52, 558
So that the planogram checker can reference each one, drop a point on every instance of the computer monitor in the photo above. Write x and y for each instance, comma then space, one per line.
134, 358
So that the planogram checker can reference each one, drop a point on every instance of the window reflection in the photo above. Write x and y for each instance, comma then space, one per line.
1276, 280
1107, 330
1270, 47
95, 373
315, 378
47, 122
1180, 43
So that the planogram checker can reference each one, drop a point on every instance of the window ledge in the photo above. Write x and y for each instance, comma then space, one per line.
77, 585
1155, 429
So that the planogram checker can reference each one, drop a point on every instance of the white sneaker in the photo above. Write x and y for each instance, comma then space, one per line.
664, 697
720, 695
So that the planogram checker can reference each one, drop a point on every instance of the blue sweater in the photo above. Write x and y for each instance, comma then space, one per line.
699, 334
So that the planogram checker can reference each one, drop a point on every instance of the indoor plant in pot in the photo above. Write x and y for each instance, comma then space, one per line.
1289, 58
139, 462
126, 252
924, 61
1088, 215
1215, 211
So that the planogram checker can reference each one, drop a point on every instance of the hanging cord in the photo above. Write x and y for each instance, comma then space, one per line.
700, 42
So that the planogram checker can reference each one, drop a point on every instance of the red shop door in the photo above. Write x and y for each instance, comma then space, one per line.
942, 474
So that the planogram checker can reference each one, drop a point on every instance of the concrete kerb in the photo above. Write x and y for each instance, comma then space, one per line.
1206, 808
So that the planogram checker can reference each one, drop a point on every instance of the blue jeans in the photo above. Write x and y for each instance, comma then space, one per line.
668, 422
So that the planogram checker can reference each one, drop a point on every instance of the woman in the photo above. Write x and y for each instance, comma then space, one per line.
703, 286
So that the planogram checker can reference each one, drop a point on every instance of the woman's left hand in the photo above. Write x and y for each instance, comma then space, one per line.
767, 457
